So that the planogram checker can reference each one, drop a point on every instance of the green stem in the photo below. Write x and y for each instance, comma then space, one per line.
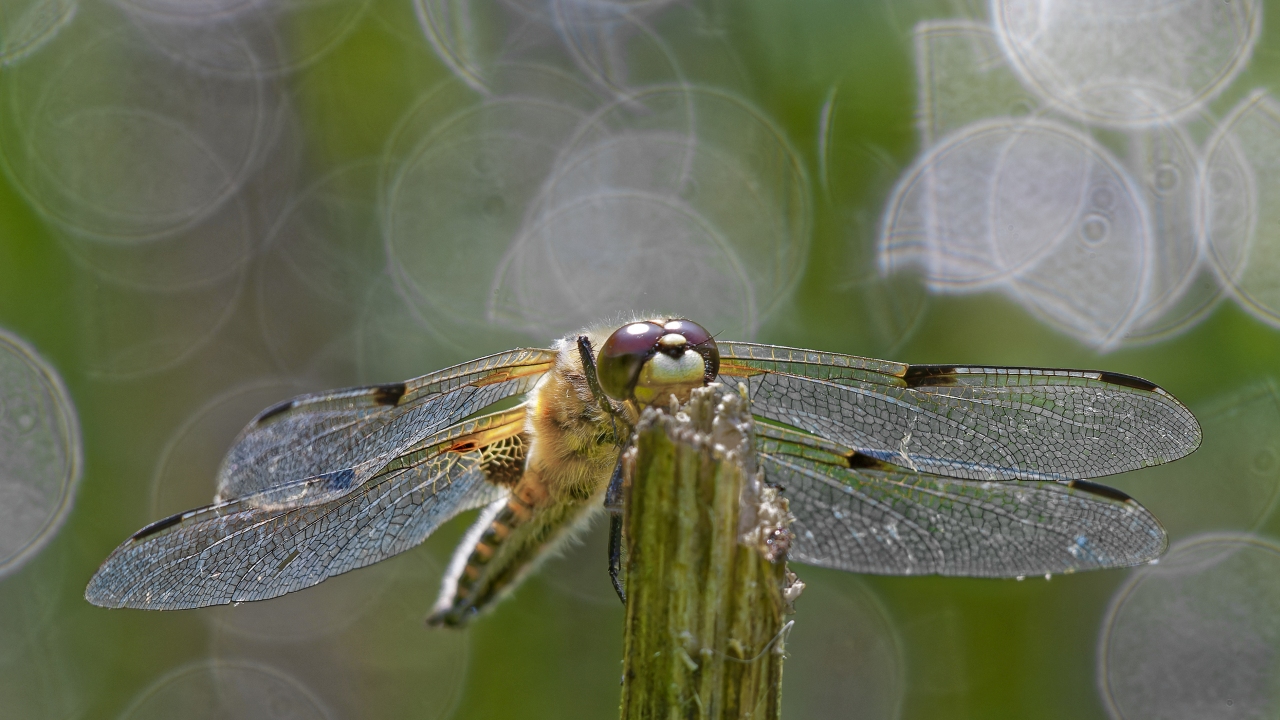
706, 590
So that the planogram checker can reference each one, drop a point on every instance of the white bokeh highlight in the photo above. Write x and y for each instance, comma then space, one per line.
611, 45
245, 38
1232, 482
27, 25
1242, 205
681, 200
460, 192
1030, 207
1192, 199
40, 453
1127, 63
226, 690
1194, 637
114, 142
846, 656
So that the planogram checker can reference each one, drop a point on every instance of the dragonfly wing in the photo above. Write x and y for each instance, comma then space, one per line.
859, 514
358, 429
967, 422
265, 545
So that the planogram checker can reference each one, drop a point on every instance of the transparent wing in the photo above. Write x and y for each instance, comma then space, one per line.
264, 545
856, 513
967, 422
360, 428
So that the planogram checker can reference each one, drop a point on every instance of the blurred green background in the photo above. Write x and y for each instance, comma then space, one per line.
210, 207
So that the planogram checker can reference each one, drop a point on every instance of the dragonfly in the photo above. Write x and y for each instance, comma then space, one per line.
888, 468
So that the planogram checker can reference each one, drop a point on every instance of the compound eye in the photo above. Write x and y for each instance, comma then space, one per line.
700, 341
624, 354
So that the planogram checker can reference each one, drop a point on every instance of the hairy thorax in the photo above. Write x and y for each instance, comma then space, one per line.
573, 445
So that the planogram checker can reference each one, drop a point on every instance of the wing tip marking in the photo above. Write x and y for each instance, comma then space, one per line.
1105, 491
938, 375
1129, 381
274, 410
156, 527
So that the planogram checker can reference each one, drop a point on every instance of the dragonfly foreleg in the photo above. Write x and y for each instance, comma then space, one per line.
613, 493
587, 354
613, 503
615, 555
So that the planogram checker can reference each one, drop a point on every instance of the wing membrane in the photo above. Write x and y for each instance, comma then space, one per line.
297, 534
359, 428
859, 514
967, 422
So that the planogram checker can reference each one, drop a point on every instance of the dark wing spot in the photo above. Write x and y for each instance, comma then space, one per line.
157, 526
1128, 381
862, 461
273, 411
388, 394
929, 375
1100, 490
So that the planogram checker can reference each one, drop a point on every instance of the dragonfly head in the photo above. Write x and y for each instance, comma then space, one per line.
649, 360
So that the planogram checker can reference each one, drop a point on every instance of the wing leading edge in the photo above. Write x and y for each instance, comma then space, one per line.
970, 423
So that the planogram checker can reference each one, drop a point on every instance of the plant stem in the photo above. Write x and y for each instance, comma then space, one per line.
707, 586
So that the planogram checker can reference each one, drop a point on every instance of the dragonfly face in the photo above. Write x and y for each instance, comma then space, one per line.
889, 468
645, 360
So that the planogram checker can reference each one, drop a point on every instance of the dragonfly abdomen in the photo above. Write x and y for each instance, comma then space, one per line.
506, 544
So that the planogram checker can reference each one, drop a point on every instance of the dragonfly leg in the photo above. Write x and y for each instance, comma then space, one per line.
587, 354
613, 503
615, 555
613, 493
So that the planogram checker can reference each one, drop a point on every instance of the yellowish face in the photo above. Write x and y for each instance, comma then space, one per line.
662, 375
650, 360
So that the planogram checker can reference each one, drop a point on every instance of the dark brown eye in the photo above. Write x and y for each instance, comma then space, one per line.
700, 341
622, 356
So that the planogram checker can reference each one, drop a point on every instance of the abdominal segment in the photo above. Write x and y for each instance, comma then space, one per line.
507, 542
